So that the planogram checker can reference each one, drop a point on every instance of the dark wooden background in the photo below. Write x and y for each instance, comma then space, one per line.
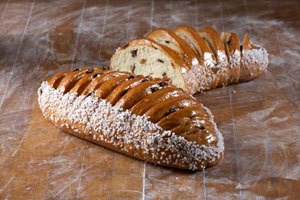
259, 119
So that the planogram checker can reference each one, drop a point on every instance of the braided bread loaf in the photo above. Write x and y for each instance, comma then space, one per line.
142, 117
194, 61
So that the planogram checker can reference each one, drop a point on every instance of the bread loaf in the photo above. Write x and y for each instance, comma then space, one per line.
204, 61
146, 118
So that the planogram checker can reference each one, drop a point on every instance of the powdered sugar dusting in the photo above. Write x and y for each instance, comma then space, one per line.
222, 60
258, 56
118, 49
235, 59
124, 130
195, 61
219, 134
208, 60
202, 75
190, 78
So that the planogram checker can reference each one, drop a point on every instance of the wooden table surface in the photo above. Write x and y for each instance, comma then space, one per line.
259, 119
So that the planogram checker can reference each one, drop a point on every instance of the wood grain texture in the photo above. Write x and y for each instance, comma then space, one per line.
259, 119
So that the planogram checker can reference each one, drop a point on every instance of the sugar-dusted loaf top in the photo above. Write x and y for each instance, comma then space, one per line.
142, 117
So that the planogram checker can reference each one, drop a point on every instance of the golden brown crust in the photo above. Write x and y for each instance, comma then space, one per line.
201, 47
101, 78
214, 37
156, 102
132, 97
215, 43
103, 90
160, 96
223, 61
173, 54
232, 46
198, 74
69, 81
120, 90
166, 36
177, 62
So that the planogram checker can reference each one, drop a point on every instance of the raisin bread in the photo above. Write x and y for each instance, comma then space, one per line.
218, 60
146, 118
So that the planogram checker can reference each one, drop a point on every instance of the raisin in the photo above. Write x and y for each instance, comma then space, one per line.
160, 60
162, 84
77, 69
130, 77
164, 74
148, 78
124, 92
171, 111
89, 94
154, 89
96, 75
155, 48
215, 70
133, 53
167, 42
241, 47
132, 68
90, 70
125, 46
104, 67
202, 127
143, 61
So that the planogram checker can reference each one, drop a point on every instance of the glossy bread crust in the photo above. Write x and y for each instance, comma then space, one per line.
220, 59
201, 47
139, 116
